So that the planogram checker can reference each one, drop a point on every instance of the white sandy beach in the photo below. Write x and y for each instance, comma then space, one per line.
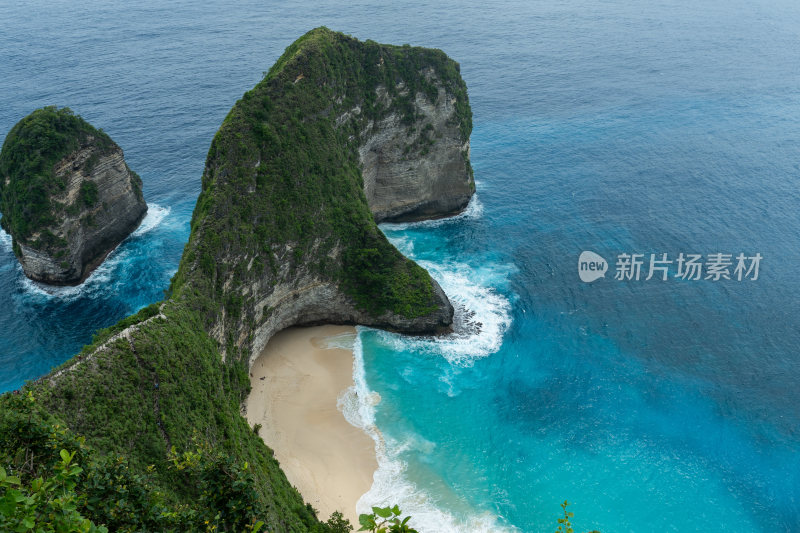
295, 385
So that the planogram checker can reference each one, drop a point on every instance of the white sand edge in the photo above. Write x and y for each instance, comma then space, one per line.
295, 385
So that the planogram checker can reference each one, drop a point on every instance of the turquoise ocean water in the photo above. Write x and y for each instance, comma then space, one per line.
615, 126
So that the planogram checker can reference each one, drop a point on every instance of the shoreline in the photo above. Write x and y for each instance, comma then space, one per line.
296, 382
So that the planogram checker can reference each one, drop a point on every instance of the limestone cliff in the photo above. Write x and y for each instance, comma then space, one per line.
420, 170
68, 197
338, 134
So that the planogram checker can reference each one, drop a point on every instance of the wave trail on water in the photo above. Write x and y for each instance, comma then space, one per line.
390, 484
102, 279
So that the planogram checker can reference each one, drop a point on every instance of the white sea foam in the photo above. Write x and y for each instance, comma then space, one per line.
154, 217
473, 210
94, 284
390, 485
5, 240
98, 280
402, 242
482, 314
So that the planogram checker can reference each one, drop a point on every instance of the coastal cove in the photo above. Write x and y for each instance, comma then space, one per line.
607, 127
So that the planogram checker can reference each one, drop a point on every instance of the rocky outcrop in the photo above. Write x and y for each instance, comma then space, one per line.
102, 204
410, 172
67, 196
339, 134
303, 297
418, 171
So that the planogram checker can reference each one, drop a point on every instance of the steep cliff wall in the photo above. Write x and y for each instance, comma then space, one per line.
68, 197
282, 234
417, 170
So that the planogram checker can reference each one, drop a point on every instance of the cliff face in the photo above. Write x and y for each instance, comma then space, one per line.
90, 231
417, 171
299, 296
87, 201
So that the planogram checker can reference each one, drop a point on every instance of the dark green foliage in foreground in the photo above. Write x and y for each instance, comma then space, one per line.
385, 520
337, 523
564, 525
51, 480
31, 149
44, 505
164, 386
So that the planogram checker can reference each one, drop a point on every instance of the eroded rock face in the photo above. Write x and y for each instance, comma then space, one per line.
418, 171
302, 297
101, 205
410, 172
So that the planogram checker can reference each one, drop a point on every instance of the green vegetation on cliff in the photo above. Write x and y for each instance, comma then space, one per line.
53, 479
159, 387
282, 193
280, 171
27, 175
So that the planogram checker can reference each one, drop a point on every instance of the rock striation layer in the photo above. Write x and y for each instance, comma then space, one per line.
66, 213
420, 171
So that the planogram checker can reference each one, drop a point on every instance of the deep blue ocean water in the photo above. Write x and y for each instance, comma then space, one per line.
615, 126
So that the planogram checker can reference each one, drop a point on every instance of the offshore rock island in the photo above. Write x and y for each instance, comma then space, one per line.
67, 196
339, 133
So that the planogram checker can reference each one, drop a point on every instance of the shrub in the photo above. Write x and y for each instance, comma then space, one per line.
88, 193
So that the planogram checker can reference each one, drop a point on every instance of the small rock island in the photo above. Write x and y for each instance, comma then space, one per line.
67, 196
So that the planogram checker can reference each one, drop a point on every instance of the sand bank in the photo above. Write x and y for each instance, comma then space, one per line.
295, 384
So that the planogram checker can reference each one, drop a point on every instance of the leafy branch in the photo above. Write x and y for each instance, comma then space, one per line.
385, 520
